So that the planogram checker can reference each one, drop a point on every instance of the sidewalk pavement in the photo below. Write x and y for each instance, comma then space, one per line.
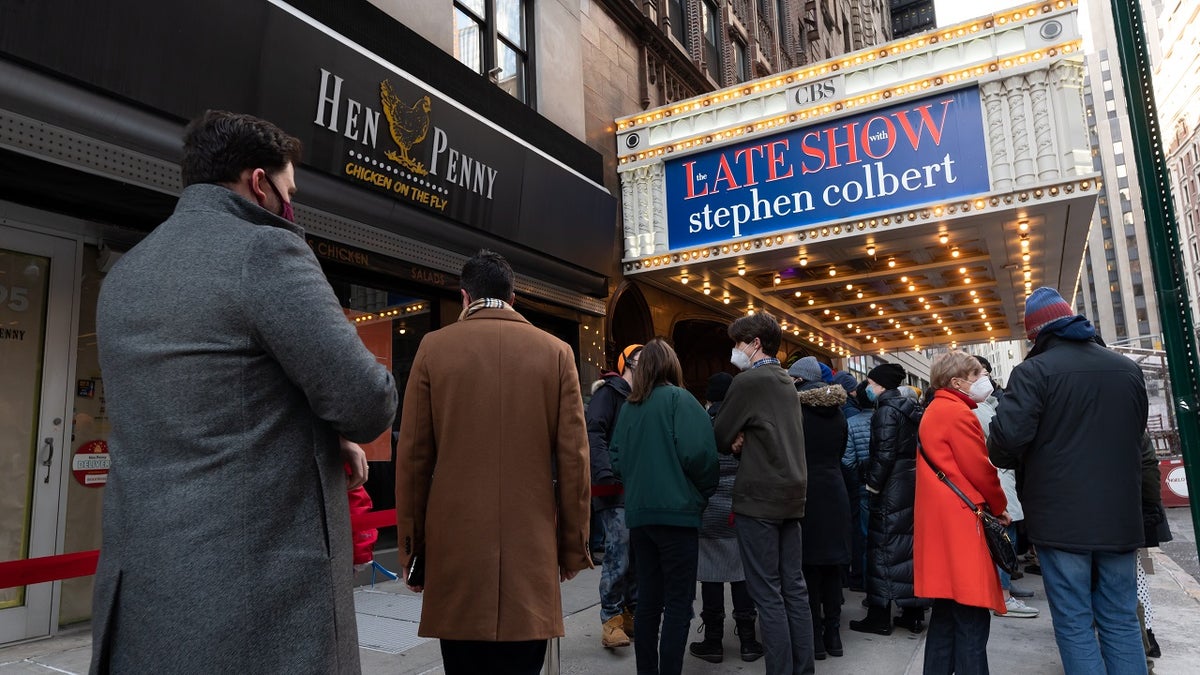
388, 615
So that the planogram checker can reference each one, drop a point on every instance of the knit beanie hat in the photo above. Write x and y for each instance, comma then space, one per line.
860, 396
718, 384
626, 354
826, 373
887, 375
1042, 308
807, 369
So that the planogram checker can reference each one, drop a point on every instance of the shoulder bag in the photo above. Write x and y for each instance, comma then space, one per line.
996, 535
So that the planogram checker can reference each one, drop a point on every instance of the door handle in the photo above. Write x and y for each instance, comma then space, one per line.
49, 440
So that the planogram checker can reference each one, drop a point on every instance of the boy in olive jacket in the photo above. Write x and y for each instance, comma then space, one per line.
761, 422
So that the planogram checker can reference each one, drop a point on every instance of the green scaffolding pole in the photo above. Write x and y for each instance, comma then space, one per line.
1170, 282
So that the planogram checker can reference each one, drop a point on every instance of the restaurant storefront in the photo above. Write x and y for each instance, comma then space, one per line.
409, 167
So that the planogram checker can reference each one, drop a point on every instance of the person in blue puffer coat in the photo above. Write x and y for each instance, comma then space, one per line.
854, 462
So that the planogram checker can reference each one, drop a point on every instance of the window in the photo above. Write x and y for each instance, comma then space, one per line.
710, 22
741, 65
678, 20
490, 38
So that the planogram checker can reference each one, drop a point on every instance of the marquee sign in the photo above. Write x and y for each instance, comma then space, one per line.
917, 152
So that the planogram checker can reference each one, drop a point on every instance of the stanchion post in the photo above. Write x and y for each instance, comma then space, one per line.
1162, 230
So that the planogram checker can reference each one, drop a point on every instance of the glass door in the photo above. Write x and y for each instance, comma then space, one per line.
37, 293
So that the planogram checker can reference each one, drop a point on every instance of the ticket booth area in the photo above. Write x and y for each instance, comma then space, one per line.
898, 198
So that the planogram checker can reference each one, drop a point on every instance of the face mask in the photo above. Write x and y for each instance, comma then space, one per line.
739, 359
287, 213
980, 390
871, 395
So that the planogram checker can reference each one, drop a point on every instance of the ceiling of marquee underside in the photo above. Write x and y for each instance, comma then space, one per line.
914, 291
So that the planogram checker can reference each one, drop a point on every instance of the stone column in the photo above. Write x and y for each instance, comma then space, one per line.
1043, 126
993, 105
1020, 128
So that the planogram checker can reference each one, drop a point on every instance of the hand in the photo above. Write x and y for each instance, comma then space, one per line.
1004, 519
738, 443
566, 575
404, 575
355, 458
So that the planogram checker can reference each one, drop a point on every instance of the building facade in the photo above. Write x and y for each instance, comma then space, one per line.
1176, 87
1116, 285
390, 120
912, 16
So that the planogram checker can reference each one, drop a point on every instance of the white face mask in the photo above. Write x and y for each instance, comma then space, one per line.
981, 389
739, 359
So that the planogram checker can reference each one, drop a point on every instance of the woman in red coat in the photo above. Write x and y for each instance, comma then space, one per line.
951, 560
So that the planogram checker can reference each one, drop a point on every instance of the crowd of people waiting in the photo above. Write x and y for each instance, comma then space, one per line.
800, 482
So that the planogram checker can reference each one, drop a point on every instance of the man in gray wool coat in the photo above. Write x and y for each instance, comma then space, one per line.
237, 391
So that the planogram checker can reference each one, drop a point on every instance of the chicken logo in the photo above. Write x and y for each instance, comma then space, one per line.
408, 126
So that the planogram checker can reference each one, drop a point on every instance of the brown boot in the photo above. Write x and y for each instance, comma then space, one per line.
614, 633
627, 622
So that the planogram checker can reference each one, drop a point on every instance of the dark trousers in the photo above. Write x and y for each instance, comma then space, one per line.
771, 555
469, 657
665, 559
957, 639
712, 597
824, 593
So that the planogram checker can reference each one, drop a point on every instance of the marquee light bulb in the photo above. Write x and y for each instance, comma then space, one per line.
778, 280
797, 294
891, 262
833, 271
871, 249
811, 301
803, 261
849, 287
1023, 226
944, 238
954, 252
1025, 256
707, 289
741, 270
683, 279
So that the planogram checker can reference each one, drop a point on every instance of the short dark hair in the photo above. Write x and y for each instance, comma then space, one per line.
218, 146
657, 364
759, 325
488, 275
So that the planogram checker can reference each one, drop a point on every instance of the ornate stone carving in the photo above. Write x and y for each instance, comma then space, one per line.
993, 103
1023, 165
1043, 131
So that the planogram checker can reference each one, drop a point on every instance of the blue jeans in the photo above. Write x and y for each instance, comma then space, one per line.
618, 590
1094, 594
665, 558
957, 639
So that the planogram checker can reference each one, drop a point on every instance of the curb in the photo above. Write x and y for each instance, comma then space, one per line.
1177, 574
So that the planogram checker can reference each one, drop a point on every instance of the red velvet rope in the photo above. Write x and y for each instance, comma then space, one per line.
71, 565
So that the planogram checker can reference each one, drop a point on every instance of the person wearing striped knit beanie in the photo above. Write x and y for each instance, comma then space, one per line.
1072, 420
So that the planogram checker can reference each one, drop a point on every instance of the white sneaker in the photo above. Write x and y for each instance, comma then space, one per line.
1017, 610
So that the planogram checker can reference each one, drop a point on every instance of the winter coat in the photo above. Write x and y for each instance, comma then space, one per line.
950, 553
891, 479
491, 404
1072, 417
772, 479
985, 412
826, 523
230, 371
608, 395
663, 451
858, 443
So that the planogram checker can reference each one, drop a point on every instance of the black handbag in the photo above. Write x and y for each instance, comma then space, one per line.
999, 544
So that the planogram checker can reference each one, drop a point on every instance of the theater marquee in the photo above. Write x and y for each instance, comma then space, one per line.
921, 151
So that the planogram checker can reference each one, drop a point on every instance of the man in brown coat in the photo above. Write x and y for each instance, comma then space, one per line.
492, 479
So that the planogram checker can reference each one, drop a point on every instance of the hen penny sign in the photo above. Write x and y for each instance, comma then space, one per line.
90, 464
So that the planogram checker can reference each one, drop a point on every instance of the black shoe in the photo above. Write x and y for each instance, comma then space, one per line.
1017, 575
833, 639
877, 621
1034, 569
752, 649
818, 642
913, 620
1154, 652
708, 649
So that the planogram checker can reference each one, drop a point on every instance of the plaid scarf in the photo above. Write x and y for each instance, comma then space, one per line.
483, 303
